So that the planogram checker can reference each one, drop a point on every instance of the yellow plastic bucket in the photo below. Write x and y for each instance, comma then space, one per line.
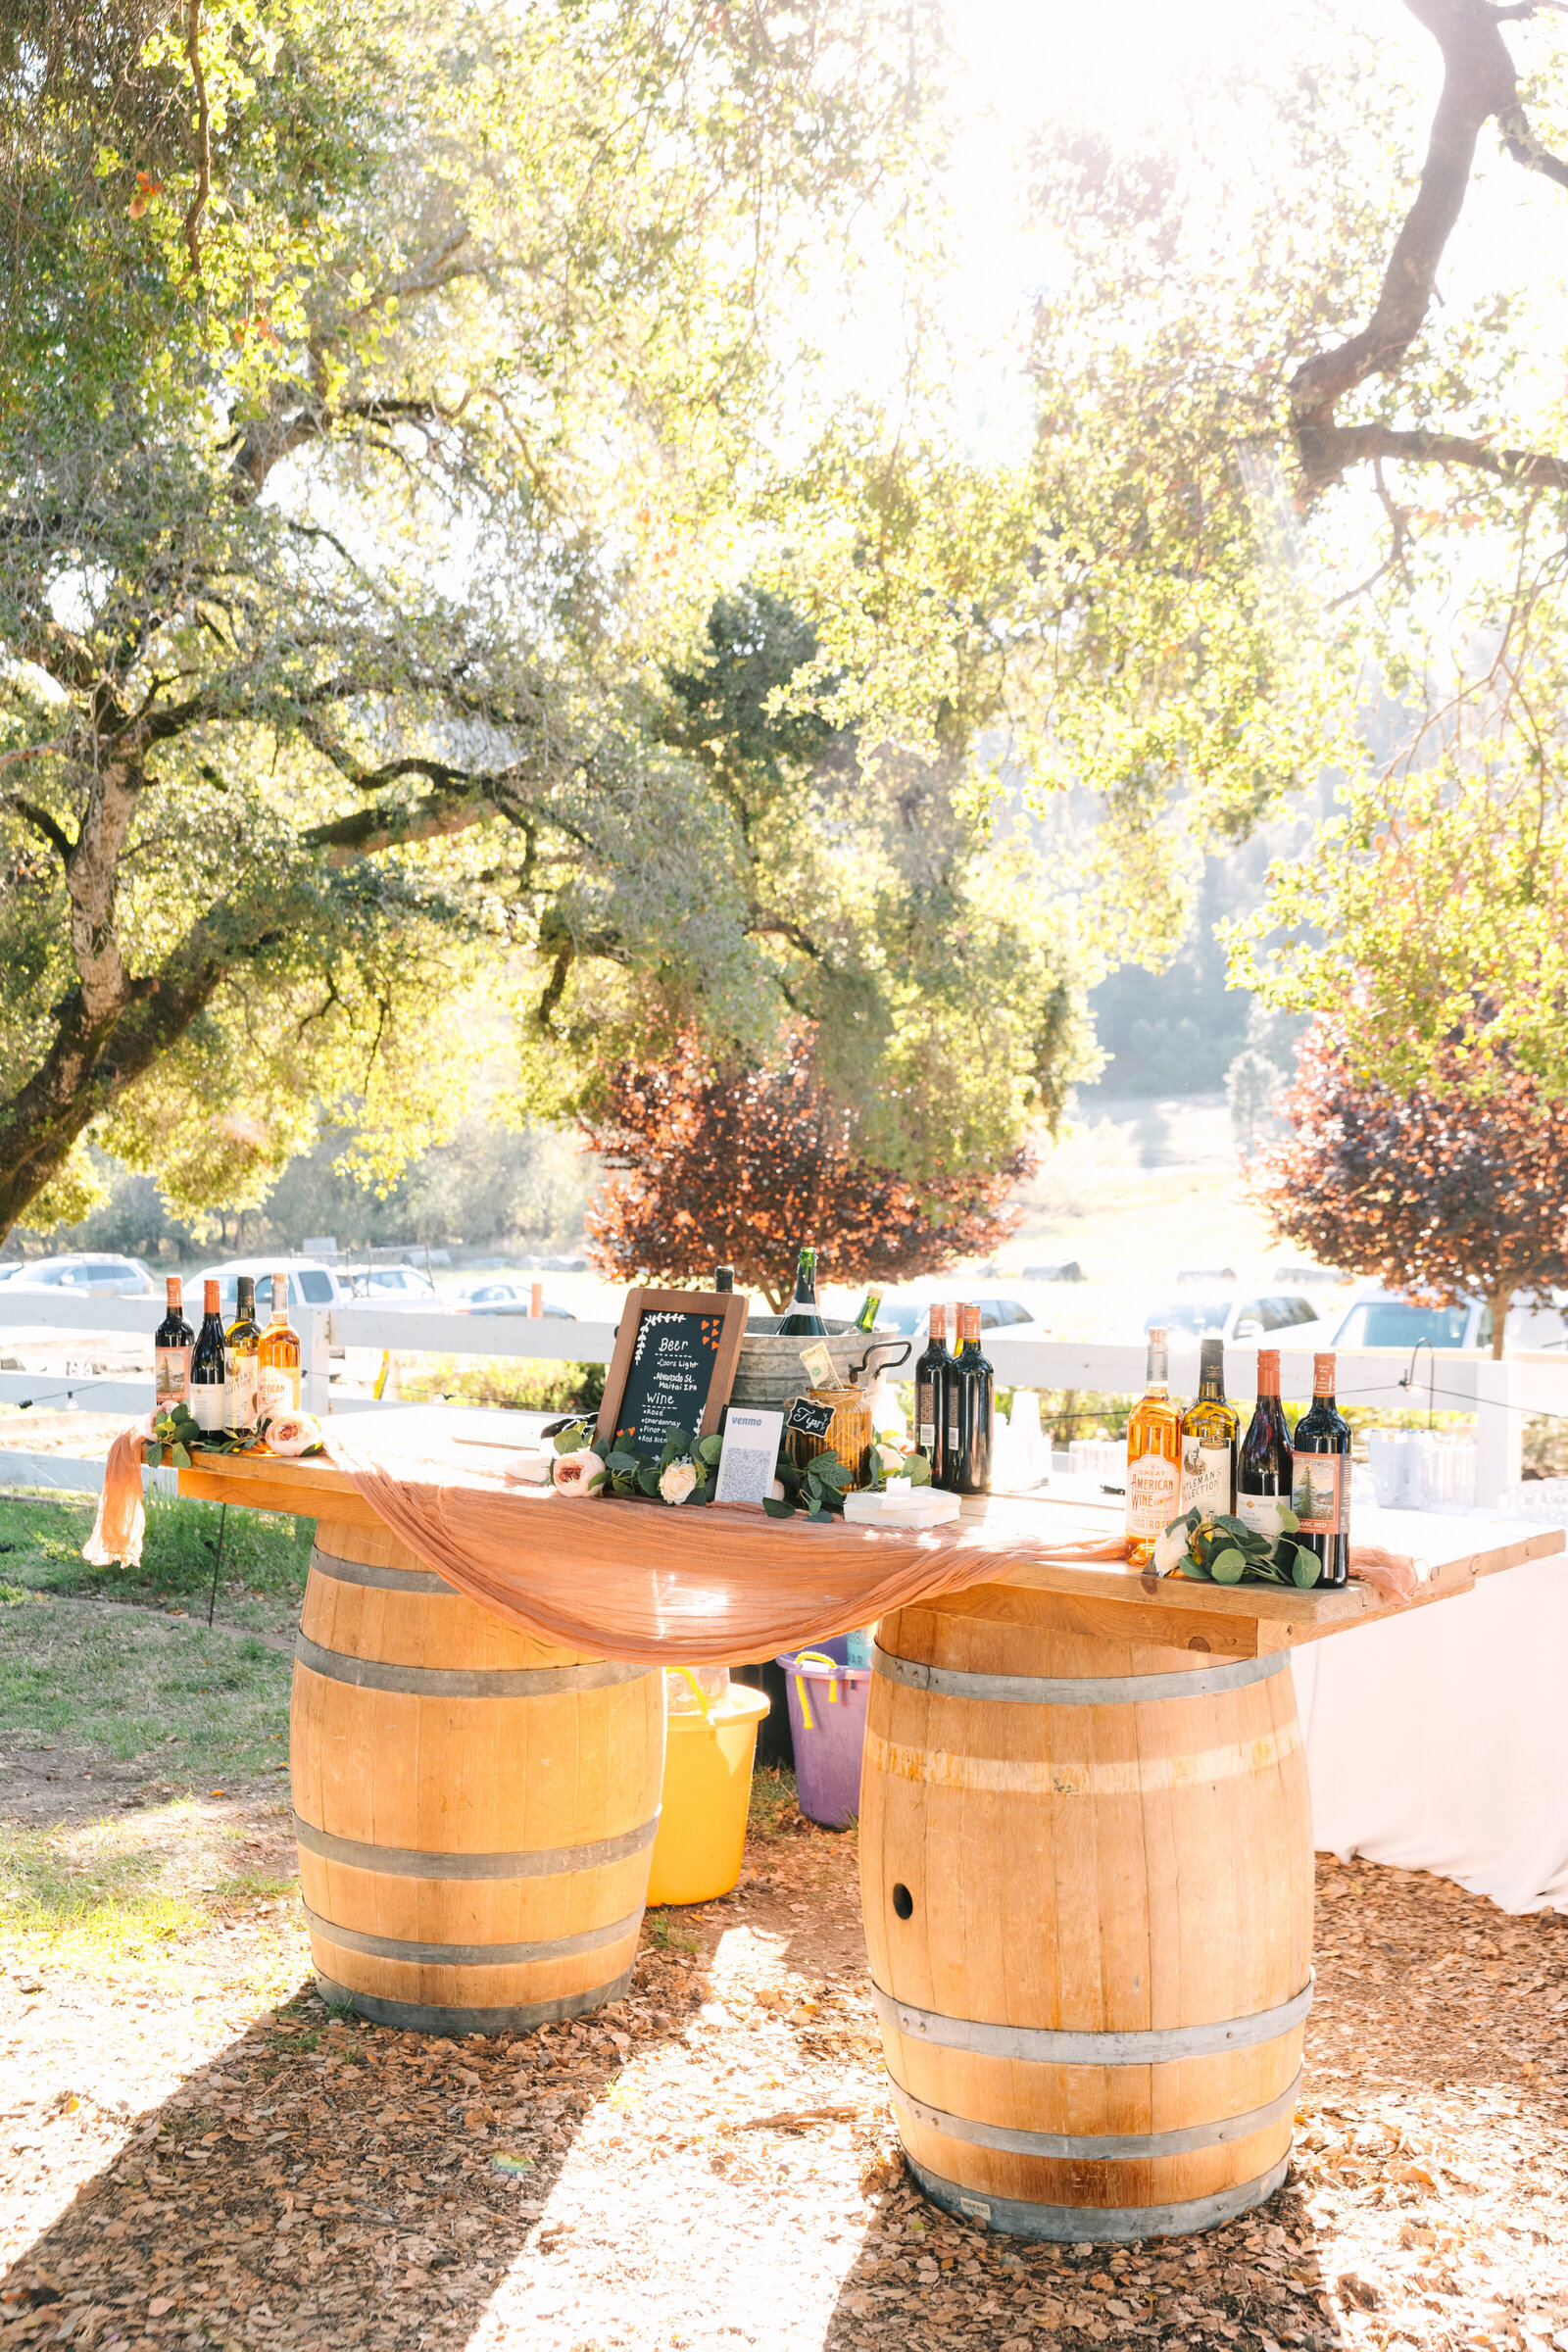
708, 1787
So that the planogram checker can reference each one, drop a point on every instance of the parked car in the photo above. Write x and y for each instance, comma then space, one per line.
394, 1286
502, 1298
1377, 1317
909, 1316
310, 1284
1237, 1316
81, 1274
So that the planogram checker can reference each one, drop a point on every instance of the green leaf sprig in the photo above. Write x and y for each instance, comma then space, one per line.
179, 1431
1222, 1550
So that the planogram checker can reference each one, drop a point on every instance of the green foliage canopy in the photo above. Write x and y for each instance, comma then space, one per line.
369, 380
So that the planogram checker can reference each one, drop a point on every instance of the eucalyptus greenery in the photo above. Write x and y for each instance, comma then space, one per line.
1223, 1550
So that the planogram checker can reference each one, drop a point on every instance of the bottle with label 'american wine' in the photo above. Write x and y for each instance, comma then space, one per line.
1208, 1438
209, 1370
1320, 1496
1265, 1466
172, 1346
278, 1357
1153, 1456
803, 1319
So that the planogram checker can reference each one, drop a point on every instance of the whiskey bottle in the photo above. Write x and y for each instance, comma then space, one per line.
278, 1357
1153, 1456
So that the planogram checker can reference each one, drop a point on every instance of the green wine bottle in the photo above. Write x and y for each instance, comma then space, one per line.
870, 1304
803, 1320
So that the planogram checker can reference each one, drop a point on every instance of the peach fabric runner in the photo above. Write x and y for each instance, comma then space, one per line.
668, 1586
652, 1584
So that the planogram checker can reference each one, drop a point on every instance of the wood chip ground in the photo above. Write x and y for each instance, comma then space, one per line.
196, 2154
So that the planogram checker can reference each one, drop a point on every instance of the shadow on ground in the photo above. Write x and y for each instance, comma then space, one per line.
325, 2181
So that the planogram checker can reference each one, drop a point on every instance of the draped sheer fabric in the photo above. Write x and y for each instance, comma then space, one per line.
648, 1582
652, 1584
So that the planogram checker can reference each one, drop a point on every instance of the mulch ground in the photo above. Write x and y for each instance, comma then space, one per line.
713, 2164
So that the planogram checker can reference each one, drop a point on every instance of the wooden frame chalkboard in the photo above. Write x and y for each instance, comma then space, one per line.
675, 1349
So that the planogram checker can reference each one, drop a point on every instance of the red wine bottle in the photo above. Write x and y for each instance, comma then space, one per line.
208, 1369
171, 1346
1320, 1496
971, 1385
930, 1408
1265, 1467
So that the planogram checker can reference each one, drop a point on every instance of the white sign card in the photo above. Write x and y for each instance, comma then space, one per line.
746, 1465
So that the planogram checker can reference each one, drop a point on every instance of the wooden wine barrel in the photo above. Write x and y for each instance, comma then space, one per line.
1087, 1878
475, 1811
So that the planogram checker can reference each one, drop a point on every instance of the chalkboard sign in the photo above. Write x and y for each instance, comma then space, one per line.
673, 1365
813, 1420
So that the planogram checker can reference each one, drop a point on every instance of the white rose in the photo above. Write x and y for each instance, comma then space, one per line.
676, 1483
1170, 1548
775, 1490
579, 1473
895, 1458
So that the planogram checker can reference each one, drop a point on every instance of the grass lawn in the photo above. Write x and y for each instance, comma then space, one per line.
151, 1684
138, 1747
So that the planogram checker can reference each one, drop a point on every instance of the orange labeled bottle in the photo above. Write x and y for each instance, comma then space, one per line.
278, 1357
1153, 1456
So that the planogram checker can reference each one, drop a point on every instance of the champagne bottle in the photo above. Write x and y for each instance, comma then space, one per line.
1208, 1438
971, 1392
1153, 1456
209, 1375
803, 1320
171, 1346
930, 1400
1265, 1467
866, 1320
1320, 1495
278, 1357
240, 1348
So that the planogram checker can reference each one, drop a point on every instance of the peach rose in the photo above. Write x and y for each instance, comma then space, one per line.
579, 1473
289, 1433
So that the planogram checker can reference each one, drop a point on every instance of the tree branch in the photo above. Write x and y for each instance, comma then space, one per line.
1479, 83
779, 926
1327, 451
42, 822
368, 830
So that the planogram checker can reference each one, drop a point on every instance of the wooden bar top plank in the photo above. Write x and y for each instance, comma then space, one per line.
1100, 1596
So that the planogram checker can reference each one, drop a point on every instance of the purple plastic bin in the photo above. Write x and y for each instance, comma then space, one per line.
827, 1749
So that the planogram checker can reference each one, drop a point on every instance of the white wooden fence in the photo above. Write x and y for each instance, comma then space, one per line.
1501, 1394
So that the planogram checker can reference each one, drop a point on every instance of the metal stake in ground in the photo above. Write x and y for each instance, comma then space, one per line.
222, 1528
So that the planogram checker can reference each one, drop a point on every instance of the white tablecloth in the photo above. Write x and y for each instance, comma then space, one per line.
1439, 1741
